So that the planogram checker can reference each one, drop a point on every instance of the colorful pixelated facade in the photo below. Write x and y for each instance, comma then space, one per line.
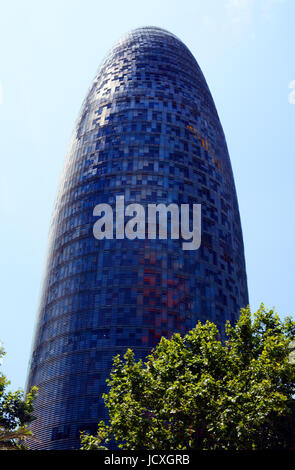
148, 130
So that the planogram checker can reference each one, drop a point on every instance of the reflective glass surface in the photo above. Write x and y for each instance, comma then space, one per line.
148, 129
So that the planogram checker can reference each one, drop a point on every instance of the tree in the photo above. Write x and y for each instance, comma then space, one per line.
15, 413
197, 392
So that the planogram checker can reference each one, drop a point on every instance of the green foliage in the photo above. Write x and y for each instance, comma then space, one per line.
195, 392
15, 413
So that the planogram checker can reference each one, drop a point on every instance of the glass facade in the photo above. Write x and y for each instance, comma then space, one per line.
148, 130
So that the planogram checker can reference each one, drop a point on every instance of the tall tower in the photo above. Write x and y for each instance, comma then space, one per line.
148, 130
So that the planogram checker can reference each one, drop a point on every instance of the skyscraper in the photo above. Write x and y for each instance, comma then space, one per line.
148, 130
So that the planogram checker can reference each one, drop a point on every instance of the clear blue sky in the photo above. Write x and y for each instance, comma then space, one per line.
49, 53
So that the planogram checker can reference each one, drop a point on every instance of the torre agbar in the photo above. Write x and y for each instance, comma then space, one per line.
148, 130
